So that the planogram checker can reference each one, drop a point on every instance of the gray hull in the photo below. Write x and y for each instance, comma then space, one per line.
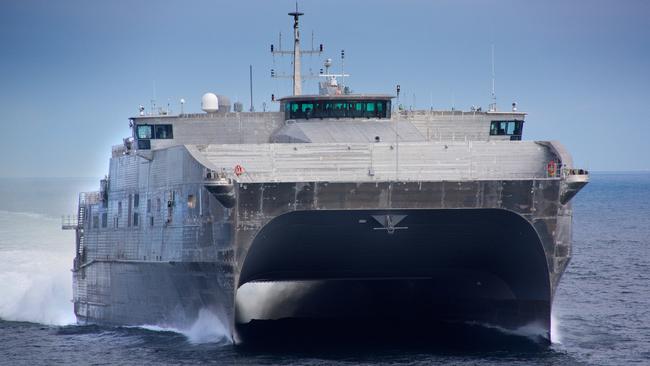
489, 252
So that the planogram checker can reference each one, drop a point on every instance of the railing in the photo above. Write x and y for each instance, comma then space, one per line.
89, 198
70, 222
118, 150
558, 170
567, 171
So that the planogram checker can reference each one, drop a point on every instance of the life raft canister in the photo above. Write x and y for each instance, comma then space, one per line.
239, 170
551, 168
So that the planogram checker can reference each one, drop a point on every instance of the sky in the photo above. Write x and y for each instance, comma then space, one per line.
73, 72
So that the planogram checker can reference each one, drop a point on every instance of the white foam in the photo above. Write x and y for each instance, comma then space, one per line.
36, 257
556, 337
207, 328
532, 331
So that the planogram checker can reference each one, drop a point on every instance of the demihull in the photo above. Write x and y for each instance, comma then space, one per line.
168, 294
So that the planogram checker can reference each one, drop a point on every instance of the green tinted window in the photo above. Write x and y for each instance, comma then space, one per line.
337, 109
144, 132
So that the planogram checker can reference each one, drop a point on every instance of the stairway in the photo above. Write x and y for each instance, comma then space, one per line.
81, 221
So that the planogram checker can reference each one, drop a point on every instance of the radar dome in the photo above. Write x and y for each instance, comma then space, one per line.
209, 103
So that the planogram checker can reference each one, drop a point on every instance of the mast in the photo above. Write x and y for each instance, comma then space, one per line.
297, 80
250, 78
297, 53
493, 105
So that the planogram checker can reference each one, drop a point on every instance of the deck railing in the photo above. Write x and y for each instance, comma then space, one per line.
69, 222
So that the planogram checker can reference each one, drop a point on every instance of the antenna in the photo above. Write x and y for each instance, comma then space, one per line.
398, 89
153, 98
250, 77
297, 54
453, 101
297, 80
493, 105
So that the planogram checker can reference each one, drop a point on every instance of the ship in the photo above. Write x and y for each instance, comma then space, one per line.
380, 211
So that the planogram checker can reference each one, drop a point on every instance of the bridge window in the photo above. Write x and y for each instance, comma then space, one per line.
337, 109
144, 144
164, 132
507, 128
144, 132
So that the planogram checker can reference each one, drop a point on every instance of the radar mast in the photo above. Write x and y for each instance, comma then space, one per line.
297, 53
297, 82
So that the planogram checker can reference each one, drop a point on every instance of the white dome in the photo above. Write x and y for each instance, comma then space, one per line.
209, 103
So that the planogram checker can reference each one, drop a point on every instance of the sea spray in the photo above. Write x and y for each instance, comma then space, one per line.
208, 327
35, 269
533, 331
556, 337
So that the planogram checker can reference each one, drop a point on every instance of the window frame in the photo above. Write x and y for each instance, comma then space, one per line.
337, 108
142, 126
513, 128
163, 129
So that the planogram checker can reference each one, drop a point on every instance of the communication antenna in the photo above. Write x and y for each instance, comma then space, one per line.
453, 101
250, 77
493, 105
153, 99
397, 89
296, 53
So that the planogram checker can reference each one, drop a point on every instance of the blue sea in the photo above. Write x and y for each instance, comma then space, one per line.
601, 314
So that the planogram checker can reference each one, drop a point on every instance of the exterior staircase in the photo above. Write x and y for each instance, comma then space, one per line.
77, 223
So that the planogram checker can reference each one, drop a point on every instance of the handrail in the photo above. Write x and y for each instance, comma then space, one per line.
89, 198
70, 222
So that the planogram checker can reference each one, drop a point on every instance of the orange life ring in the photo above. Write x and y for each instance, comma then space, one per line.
551, 168
239, 170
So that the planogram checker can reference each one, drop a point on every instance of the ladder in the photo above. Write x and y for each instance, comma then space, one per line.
81, 221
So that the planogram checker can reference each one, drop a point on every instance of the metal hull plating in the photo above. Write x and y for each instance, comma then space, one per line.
489, 251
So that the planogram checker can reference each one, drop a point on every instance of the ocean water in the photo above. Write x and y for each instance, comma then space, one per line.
601, 314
